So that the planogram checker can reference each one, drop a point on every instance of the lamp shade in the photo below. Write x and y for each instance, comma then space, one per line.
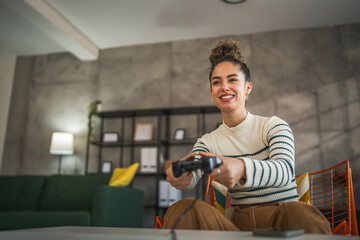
62, 143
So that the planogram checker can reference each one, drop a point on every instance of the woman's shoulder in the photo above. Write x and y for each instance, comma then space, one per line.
266, 125
272, 120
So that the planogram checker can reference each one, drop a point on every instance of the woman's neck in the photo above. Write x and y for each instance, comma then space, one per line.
235, 117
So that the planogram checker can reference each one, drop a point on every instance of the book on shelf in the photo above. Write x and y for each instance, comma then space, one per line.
163, 193
174, 195
148, 161
168, 195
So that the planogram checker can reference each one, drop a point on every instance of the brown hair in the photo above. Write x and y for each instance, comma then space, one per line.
228, 51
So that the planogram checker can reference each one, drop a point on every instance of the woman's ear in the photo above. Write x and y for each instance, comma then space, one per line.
249, 87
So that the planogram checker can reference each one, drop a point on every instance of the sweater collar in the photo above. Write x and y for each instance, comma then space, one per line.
240, 129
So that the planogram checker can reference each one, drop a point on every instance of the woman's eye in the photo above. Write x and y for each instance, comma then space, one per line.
216, 82
233, 80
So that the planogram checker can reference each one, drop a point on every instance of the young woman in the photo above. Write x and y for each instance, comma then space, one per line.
258, 161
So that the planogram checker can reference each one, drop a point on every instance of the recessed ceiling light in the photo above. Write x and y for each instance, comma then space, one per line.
234, 1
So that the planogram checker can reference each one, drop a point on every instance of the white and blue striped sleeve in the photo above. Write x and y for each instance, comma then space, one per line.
278, 169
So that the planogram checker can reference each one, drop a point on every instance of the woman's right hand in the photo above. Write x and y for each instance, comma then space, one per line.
184, 180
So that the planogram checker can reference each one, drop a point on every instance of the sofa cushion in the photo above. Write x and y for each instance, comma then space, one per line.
20, 192
70, 193
36, 219
118, 207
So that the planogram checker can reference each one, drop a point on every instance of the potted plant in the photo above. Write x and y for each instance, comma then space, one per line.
93, 109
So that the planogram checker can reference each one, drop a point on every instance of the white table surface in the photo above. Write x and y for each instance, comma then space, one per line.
103, 233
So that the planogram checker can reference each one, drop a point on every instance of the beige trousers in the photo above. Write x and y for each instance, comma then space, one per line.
280, 216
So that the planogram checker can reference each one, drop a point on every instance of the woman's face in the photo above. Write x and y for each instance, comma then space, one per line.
228, 87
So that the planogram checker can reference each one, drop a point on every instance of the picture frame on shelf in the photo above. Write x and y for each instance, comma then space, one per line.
110, 137
106, 167
143, 132
179, 134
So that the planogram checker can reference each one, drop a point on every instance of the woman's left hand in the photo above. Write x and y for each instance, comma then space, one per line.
229, 172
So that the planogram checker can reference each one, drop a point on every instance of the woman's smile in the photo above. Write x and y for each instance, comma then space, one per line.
226, 97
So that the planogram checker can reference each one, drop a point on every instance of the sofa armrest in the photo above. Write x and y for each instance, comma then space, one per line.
117, 207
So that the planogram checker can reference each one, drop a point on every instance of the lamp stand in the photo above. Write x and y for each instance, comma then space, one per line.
59, 168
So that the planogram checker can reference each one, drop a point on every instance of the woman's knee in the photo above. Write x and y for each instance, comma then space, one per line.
307, 217
179, 207
191, 219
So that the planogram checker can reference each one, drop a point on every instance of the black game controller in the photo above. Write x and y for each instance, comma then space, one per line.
208, 164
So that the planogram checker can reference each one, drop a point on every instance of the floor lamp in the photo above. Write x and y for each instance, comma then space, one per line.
62, 143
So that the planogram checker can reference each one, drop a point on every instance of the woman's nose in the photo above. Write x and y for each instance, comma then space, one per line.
225, 87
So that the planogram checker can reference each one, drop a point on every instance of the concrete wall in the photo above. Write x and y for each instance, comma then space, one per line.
309, 77
7, 68
50, 94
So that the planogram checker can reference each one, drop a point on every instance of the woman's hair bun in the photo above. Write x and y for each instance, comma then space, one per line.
226, 50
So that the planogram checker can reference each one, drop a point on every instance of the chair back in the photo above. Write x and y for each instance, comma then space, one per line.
210, 193
332, 193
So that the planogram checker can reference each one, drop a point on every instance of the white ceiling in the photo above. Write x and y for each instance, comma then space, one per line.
85, 25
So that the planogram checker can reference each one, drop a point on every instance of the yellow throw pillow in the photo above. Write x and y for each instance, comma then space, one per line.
121, 177
302, 182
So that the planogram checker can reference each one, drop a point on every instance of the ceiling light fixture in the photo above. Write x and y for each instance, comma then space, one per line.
234, 1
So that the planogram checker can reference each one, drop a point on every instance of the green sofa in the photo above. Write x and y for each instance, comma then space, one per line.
65, 200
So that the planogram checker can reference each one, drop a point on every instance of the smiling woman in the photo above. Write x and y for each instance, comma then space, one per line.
229, 80
229, 91
258, 161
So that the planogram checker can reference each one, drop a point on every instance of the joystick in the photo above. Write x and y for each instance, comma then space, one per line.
208, 164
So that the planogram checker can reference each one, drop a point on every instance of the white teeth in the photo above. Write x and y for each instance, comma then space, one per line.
226, 97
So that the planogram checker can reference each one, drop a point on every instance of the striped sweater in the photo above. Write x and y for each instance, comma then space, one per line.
267, 147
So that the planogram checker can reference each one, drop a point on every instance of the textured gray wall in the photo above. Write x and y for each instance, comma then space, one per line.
7, 69
309, 77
